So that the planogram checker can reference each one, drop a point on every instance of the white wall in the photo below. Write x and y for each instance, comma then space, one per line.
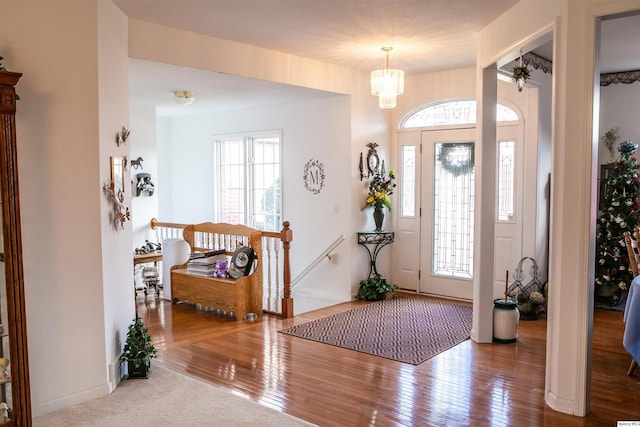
314, 129
619, 108
143, 144
544, 164
163, 156
64, 49
367, 122
113, 114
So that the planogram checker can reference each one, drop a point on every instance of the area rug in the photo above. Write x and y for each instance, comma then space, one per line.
168, 398
409, 330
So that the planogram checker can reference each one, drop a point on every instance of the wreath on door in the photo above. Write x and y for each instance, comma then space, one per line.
457, 158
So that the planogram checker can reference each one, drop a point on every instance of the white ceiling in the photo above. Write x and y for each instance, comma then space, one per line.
427, 36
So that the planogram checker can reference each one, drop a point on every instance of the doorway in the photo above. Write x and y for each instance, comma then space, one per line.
435, 226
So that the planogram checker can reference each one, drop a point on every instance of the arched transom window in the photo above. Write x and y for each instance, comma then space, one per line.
453, 113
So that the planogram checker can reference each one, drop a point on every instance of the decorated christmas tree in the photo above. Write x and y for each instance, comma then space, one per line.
619, 212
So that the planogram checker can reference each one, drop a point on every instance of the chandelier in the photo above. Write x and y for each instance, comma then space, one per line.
387, 83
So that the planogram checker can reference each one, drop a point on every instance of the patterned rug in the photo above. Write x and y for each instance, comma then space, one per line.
409, 330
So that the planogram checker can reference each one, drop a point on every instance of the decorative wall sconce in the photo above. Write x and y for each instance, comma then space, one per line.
144, 184
115, 192
183, 97
387, 83
122, 136
374, 165
120, 213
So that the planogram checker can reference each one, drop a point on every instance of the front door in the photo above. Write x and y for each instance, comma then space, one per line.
446, 224
433, 253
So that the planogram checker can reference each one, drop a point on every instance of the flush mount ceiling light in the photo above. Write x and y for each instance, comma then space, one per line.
387, 84
183, 97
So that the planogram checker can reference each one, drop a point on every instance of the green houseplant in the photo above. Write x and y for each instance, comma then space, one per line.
375, 288
138, 350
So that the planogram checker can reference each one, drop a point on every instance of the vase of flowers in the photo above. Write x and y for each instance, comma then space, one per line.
380, 188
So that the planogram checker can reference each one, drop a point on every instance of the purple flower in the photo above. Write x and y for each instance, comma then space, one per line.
221, 270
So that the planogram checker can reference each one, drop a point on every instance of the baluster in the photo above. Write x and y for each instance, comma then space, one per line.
266, 265
279, 283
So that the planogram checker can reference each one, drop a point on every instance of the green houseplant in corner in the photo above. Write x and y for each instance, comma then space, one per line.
138, 350
375, 288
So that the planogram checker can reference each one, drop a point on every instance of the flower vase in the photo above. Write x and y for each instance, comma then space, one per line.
378, 217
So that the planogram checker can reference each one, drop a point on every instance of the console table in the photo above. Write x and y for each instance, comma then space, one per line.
153, 257
150, 276
373, 241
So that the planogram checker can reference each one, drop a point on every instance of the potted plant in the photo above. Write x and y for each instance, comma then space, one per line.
520, 75
138, 350
375, 288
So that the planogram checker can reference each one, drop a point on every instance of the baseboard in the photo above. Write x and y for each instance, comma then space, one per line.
561, 405
305, 301
71, 399
116, 373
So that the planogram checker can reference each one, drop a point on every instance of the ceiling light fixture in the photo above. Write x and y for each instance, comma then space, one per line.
387, 83
183, 97
520, 74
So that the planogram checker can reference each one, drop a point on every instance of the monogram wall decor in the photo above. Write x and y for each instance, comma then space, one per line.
314, 176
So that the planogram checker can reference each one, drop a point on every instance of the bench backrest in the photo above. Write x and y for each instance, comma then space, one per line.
209, 236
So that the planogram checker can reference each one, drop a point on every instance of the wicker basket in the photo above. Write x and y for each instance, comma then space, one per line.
521, 289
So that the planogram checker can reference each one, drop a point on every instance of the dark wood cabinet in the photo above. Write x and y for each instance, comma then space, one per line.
14, 384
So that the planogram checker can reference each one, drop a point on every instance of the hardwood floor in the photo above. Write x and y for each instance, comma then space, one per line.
468, 385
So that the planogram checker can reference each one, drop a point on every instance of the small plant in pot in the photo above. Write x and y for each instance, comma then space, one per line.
138, 350
375, 288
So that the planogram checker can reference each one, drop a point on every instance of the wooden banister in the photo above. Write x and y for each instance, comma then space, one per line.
286, 235
155, 224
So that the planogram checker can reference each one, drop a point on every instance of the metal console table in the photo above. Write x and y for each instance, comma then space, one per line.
373, 241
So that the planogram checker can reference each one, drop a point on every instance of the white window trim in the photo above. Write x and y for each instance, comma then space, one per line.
248, 173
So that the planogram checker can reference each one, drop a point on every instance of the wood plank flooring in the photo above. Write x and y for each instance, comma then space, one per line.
468, 385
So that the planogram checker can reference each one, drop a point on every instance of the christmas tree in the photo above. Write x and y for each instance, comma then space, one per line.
619, 212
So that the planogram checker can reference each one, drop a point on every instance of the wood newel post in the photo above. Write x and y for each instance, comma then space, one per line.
154, 223
286, 235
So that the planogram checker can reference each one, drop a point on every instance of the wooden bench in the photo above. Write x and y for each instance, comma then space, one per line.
241, 296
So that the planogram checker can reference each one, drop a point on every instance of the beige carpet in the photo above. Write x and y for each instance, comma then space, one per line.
168, 399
